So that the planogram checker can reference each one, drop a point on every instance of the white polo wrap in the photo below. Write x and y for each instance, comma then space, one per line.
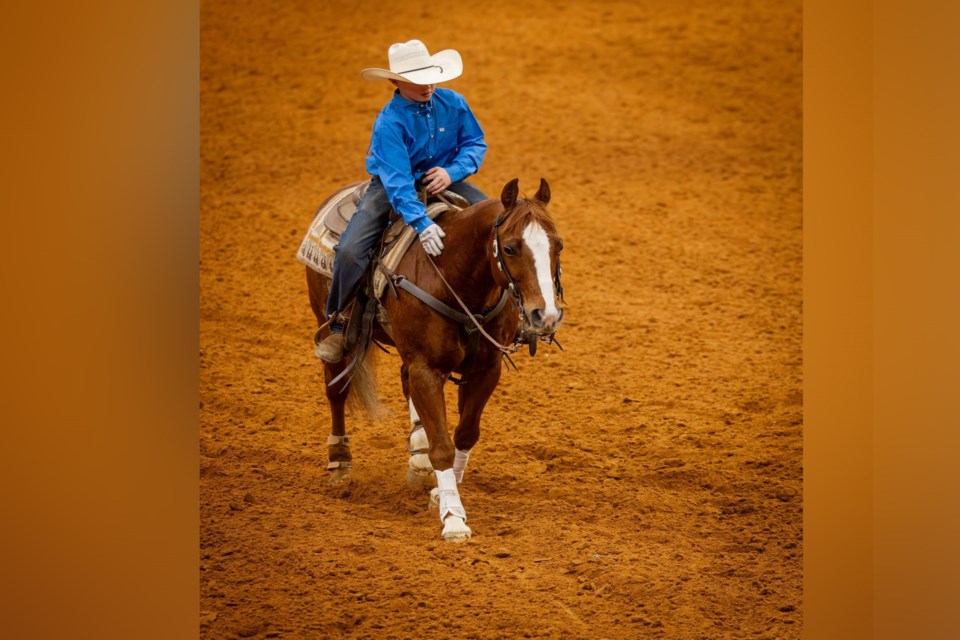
449, 495
460, 463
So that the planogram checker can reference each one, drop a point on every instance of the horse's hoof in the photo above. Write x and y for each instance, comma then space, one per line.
415, 477
455, 530
434, 498
420, 464
339, 475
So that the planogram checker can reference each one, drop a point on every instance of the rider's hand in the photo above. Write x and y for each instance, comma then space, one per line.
436, 180
430, 237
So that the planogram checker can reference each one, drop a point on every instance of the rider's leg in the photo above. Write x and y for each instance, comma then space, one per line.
468, 191
351, 259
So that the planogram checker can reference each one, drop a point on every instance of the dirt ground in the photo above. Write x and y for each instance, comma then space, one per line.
646, 482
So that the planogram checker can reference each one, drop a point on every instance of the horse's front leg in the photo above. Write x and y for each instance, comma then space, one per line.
472, 398
426, 391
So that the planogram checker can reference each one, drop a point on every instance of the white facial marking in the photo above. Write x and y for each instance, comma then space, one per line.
536, 238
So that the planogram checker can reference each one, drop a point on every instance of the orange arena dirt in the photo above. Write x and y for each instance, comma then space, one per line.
646, 482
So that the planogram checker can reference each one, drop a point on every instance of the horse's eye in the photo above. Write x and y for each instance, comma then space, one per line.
559, 245
510, 251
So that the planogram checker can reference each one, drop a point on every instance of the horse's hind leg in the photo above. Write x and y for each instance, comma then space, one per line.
339, 460
338, 447
419, 466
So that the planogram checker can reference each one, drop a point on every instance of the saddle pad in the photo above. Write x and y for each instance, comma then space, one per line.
317, 249
345, 209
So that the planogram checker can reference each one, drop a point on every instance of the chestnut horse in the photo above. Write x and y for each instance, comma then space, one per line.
501, 261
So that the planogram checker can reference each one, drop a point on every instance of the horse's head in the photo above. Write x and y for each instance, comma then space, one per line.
526, 255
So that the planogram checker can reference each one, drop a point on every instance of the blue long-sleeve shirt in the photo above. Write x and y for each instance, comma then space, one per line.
411, 137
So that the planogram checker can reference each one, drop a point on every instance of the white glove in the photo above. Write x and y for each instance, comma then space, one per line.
430, 238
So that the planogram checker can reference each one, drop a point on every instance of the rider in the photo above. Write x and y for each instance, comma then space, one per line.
424, 137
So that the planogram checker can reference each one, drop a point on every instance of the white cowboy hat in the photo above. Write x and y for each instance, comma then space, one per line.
411, 62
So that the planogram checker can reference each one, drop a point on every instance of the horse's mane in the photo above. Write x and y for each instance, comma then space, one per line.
525, 211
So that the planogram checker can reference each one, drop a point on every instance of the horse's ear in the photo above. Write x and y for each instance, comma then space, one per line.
543, 193
509, 194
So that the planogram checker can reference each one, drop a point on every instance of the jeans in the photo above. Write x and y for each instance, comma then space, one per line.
362, 237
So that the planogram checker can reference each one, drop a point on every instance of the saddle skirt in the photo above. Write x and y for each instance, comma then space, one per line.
317, 249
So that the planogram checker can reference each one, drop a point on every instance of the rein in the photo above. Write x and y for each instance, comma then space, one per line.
443, 309
522, 337
503, 298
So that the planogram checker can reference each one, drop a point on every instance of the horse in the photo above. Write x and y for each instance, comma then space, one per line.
501, 265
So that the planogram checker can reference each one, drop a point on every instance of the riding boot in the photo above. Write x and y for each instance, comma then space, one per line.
331, 348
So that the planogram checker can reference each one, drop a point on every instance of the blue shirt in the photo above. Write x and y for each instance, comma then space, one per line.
411, 137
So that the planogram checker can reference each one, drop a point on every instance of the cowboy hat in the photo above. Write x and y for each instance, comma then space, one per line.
411, 62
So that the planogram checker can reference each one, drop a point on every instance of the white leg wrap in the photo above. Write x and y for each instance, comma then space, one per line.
460, 463
420, 462
450, 504
414, 416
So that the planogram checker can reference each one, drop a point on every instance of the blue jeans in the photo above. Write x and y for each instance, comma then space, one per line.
362, 237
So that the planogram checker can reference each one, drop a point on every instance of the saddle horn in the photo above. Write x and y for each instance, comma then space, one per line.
543, 193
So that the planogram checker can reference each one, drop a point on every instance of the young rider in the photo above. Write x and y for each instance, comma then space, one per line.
425, 137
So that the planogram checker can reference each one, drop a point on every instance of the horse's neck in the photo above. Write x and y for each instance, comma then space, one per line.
472, 238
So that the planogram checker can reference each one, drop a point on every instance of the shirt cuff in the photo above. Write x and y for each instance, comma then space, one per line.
420, 224
456, 174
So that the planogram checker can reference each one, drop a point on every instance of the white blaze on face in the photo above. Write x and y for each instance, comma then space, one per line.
538, 242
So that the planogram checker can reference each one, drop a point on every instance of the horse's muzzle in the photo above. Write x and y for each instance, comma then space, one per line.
545, 323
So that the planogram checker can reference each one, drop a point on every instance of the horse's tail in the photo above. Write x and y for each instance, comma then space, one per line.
363, 394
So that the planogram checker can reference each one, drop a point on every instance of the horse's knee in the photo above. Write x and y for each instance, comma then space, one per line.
465, 439
441, 455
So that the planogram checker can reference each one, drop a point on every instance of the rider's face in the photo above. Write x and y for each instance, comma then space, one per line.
414, 92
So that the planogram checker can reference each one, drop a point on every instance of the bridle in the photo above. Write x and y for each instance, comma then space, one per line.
524, 333
512, 284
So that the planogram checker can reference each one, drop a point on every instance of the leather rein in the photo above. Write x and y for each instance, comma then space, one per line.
468, 318
471, 322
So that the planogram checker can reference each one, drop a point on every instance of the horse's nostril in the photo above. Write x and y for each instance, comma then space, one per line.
541, 319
